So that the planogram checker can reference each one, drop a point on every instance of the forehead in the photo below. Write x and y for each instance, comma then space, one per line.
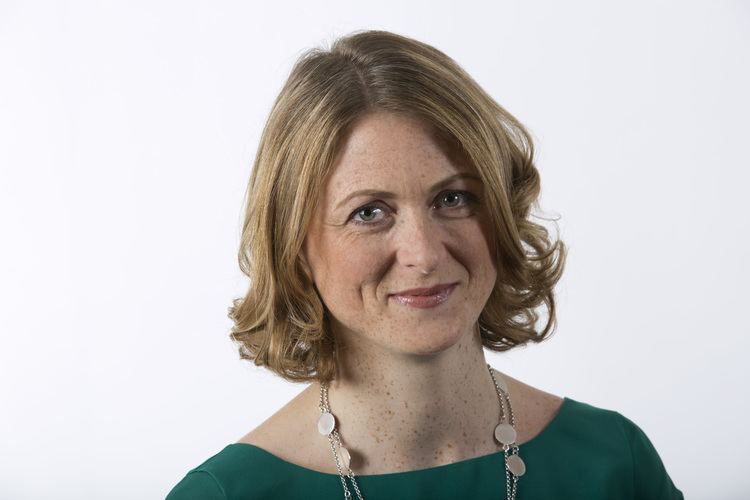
387, 146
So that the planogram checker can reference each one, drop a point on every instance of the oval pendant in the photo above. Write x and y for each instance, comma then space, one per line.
505, 433
516, 465
326, 423
345, 457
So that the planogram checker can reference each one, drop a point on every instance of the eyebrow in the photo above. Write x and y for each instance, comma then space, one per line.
386, 194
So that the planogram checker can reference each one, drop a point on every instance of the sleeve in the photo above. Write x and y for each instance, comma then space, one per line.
650, 478
197, 485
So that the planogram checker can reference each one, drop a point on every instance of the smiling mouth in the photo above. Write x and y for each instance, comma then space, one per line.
439, 295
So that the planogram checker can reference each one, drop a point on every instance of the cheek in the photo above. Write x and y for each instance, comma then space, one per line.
477, 255
348, 271
475, 239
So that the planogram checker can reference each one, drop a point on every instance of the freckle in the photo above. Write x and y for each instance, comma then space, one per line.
450, 445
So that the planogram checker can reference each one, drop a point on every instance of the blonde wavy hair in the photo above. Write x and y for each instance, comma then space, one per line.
281, 323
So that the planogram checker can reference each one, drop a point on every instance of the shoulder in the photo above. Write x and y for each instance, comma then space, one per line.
238, 471
198, 484
606, 427
533, 408
618, 446
650, 475
284, 423
597, 429
264, 463
249, 468
287, 433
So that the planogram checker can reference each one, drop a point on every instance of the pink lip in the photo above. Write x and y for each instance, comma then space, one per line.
425, 297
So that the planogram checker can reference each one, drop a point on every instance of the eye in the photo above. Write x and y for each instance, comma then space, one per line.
366, 215
454, 195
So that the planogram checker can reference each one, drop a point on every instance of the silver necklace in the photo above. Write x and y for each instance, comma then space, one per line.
505, 434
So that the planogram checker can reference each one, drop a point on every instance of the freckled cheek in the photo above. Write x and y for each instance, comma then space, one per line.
353, 275
477, 255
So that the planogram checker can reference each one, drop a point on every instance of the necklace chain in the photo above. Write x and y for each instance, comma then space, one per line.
504, 433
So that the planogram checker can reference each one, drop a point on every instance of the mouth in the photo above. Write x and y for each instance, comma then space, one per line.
423, 298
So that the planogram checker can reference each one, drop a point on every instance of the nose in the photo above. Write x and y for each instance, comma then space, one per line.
419, 243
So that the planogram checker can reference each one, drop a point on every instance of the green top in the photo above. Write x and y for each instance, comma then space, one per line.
584, 453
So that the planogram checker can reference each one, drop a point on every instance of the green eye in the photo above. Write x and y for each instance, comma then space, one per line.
455, 196
365, 214
457, 199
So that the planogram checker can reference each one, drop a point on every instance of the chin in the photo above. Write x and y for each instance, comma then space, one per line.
426, 343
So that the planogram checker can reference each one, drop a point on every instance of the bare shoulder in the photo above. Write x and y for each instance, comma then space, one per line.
284, 423
290, 432
534, 409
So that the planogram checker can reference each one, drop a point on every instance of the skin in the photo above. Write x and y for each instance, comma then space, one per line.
414, 390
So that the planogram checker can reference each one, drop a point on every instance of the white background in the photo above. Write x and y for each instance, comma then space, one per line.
127, 133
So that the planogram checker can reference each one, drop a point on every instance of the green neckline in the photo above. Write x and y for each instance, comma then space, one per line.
532, 443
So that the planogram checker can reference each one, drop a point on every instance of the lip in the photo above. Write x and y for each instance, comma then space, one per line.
424, 297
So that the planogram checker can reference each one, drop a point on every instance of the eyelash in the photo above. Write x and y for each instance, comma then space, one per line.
470, 199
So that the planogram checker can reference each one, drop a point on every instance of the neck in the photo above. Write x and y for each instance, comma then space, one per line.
405, 412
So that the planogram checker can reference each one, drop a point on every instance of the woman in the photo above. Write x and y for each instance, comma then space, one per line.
388, 243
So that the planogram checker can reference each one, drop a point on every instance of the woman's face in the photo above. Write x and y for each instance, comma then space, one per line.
420, 225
